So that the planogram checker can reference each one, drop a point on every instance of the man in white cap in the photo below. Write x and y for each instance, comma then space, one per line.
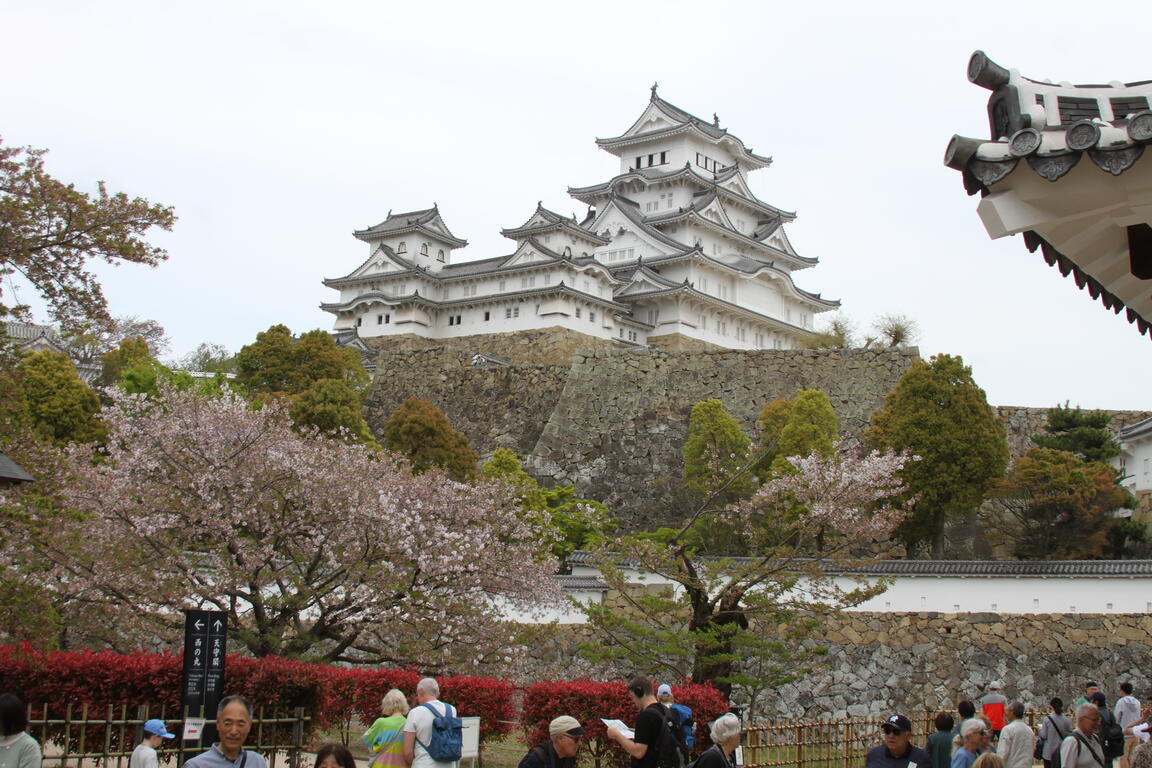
559, 750
144, 756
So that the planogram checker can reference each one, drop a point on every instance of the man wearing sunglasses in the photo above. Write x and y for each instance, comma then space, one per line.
559, 751
897, 751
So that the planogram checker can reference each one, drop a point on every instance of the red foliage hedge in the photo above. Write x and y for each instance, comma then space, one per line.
588, 701
333, 696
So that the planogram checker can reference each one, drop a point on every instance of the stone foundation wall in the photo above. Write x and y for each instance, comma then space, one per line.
613, 421
546, 346
908, 662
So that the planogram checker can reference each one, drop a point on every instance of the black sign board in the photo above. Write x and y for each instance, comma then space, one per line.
205, 642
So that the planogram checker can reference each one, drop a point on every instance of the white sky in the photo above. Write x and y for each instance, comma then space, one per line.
277, 128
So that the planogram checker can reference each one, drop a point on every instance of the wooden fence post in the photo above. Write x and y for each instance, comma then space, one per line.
799, 747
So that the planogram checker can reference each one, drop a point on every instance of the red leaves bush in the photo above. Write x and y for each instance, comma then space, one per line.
589, 701
332, 696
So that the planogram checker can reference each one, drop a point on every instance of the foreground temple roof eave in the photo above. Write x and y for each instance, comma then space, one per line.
1091, 220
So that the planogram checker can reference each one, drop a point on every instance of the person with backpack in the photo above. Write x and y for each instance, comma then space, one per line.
1127, 713
433, 733
1082, 748
1054, 728
1110, 733
683, 714
657, 741
559, 749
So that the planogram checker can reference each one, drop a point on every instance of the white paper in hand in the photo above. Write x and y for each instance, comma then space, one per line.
619, 725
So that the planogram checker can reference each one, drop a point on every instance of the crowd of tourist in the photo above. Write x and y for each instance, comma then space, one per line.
992, 733
989, 733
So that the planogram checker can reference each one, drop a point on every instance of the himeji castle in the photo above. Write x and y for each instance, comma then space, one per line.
675, 251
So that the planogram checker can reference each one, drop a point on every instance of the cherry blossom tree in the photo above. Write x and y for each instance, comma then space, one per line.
744, 620
314, 547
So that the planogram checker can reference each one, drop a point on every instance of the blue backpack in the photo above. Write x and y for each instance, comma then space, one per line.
447, 739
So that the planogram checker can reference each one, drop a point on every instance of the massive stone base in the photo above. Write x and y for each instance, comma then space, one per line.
879, 663
613, 421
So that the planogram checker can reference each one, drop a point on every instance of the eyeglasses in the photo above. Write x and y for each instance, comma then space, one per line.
889, 730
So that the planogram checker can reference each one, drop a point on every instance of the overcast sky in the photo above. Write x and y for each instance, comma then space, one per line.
277, 128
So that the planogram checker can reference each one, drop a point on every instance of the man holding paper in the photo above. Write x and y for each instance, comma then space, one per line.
641, 747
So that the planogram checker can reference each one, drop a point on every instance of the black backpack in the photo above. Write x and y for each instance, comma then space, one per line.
670, 749
1111, 734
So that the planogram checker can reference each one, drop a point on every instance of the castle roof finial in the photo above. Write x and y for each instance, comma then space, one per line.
654, 87
715, 120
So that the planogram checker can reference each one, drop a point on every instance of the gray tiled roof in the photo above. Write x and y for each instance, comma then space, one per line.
554, 220
11, 471
683, 118
581, 582
1139, 429
413, 220
985, 568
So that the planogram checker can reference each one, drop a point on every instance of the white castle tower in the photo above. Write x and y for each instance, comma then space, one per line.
675, 251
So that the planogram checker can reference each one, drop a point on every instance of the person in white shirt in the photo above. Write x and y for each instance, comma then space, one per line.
1082, 748
418, 728
1017, 741
1127, 714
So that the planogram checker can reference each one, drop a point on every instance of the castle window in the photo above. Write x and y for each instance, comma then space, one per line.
379, 319
487, 316
591, 317
638, 159
631, 335
621, 333
359, 322
402, 248
577, 313
515, 311
387, 319
663, 158
440, 255
451, 320
424, 249
508, 313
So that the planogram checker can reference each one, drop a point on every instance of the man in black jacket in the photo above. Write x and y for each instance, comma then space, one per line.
559, 750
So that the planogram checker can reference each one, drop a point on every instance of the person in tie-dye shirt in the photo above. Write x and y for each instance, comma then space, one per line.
385, 738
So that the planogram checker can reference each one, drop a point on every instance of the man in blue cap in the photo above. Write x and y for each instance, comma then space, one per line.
144, 756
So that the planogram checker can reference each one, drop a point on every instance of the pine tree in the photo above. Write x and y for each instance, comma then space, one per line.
334, 408
420, 431
937, 412
1083, 433
60, 407
714, 454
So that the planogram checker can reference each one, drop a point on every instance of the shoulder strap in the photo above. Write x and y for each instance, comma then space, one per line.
1082, 741
243, 757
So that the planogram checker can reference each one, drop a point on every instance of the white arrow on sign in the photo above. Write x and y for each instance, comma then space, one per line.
199, 624
216, 625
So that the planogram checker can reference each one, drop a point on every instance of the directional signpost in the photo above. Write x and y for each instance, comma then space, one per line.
205, 642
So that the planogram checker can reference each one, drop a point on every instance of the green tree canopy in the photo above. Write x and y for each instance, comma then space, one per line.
60, 407
812, 426
333, 407
716, 451
1055, 506
937, 412
50, 231
421, 432
578, 523
1083, 433
280, 363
